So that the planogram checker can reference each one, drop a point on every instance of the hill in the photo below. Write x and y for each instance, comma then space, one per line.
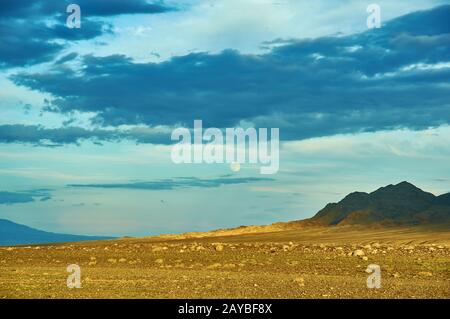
401, 204
16, 234
394, 205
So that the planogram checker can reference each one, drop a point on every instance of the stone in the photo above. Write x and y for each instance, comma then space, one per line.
214, 266
358, 253
299, 281
425, 274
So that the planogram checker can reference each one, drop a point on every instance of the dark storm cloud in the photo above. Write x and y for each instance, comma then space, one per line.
24, 43
29, 28
67, 58
38, 135
97, 8
376, 80
181, 182
9, 198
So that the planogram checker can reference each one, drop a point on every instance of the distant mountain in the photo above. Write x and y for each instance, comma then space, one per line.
16, 234
401, 204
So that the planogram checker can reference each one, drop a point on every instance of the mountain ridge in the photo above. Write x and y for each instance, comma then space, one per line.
399, 204
12, 233
402, 204
357, 213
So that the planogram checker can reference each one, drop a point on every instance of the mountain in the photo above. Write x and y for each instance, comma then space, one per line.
401, 204
16, 234
394, 205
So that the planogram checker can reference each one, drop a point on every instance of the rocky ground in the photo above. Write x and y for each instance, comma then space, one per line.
318, 263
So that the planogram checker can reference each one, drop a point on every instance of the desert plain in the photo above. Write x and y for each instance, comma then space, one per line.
314, 262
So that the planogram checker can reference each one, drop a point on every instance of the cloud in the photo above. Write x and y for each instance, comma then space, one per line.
14, 198
27, 42
381, 79
66, 58
10, 198
181, 182
33, 32
90, 8
52, 137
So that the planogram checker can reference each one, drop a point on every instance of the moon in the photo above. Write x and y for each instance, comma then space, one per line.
235, 167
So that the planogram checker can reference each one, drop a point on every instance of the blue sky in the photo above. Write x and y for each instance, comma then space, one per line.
86, 114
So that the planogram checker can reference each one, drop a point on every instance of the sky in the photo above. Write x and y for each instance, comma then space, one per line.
86, 114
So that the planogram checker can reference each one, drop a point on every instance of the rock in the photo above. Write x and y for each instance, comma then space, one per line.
214, 266
358, 253
299, 281
122, 260
219, 247
425, 274
396, 275
112, 260
159, 261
